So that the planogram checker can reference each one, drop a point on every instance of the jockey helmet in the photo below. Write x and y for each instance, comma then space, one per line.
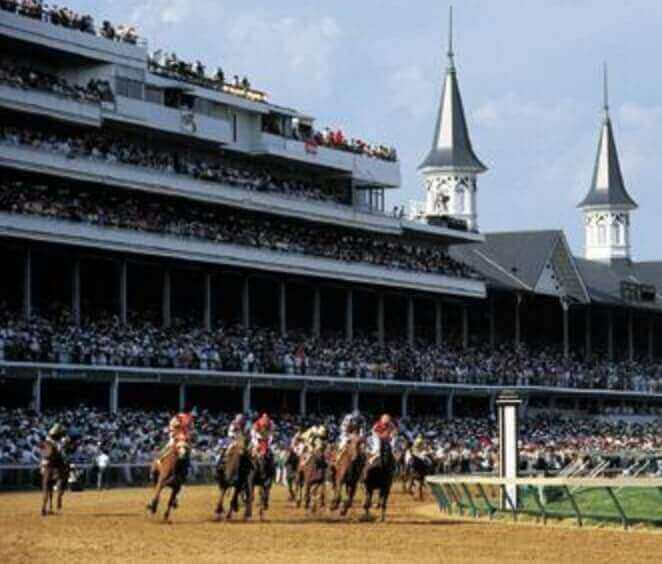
385, 419
56, 431
239, 419
322, 431
419, 440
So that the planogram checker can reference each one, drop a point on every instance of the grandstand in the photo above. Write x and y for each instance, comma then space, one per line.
171, 238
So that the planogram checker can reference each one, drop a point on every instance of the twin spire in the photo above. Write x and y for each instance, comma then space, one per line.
607, 186
451, 146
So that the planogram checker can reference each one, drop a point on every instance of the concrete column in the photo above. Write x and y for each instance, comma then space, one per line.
302, 402
524, 407
206, 318
282, 307
410, 320
630, 335
27, 284
493, 398
610, 335
450, 398
246, 399
317, 312
75, 292
404, 404
588, 344
36, 393
380, 318
246, 304
114, 394
566, 328
123, 291
438, 322
166, 312
651, 338
518, 321
465, 327
349, 315
182, 397
492, 324
355, 400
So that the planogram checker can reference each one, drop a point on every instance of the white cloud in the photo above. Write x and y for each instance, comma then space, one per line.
410, 90
511, 111
150, 14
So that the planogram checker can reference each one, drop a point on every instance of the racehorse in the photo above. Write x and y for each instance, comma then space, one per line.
54, 474
291, 472
262, 476
311, 481
234, 472
416, 471
169, 471
347, 473
378, 475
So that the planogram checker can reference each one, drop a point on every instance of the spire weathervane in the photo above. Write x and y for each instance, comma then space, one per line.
605, 89
451, 63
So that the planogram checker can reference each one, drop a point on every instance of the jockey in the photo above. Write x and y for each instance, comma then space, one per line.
315, 438
239, 430
351, 425
55, 437
180, 429
262, 434
419, 449
298, 444
384, 430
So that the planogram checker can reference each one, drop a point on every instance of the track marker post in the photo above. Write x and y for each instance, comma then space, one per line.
508, 403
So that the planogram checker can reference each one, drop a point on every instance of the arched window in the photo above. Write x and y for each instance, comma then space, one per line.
602, 234
460, 199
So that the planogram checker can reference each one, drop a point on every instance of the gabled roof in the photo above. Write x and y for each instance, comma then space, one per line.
518, 260
607, 186
451, 146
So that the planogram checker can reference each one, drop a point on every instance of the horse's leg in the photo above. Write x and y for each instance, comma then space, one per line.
299, 485
322, 493
248, 510
154, 504
174, 490
421, 483
44, 489
60, 493
219, 506
351, 492
367, 504
384, 493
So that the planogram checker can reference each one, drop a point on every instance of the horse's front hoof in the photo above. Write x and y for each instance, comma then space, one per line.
44, 513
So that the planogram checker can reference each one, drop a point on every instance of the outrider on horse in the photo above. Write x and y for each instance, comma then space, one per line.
54, 467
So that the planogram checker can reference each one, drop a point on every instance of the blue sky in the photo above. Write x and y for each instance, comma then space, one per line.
529, 72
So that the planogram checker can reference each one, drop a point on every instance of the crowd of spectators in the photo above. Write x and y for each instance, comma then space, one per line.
18, 76
113, 149
104, 341
64, 17
169, 64
336, 139
548, 442
121, 209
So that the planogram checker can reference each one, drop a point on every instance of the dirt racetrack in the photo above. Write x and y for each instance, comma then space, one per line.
112, 526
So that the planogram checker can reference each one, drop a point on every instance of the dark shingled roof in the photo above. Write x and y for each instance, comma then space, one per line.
451, 147
607, 186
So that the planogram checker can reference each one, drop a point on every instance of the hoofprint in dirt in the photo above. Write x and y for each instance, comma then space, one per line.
111, 526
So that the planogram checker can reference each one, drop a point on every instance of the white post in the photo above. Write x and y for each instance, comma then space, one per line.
75, 292
27, 284
207, 302
349, 315
508, 404
317, 312
167, 300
